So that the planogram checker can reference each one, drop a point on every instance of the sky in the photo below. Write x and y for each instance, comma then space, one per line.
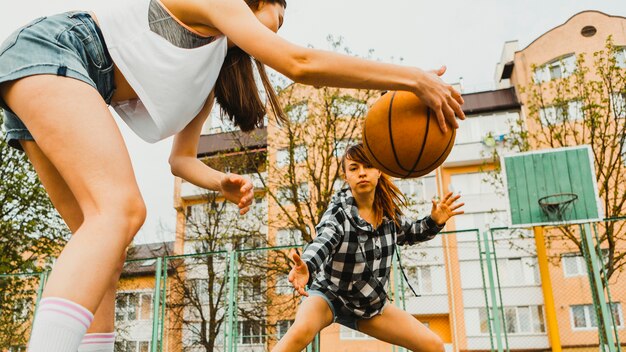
466, 36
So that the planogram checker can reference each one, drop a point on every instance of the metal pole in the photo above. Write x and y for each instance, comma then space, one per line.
495, 261
163, 300
492, 289
597, 285
606, 285
230, 328
482, 272
156, 298
546, 286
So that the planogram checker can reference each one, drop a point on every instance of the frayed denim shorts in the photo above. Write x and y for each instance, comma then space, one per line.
68, 44
340, 314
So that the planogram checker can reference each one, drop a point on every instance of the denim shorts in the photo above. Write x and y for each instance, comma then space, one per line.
68, 44
340, 314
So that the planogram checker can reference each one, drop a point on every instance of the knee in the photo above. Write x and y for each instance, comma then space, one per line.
124, 213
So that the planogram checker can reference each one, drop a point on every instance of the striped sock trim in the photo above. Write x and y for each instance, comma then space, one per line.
66, 308
97, 342
59, 326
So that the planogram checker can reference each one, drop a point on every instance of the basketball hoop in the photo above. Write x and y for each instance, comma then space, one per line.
557, 206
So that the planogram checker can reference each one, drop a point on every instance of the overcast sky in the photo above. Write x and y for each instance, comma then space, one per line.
465, 35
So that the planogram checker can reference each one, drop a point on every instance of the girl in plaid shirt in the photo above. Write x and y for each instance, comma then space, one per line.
347, 265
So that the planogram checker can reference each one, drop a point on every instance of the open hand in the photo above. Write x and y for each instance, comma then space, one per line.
239, 190
299, 274
441, 98
446, 208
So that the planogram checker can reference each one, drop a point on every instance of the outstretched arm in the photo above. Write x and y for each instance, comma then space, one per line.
428, 227
322, 68
185, 164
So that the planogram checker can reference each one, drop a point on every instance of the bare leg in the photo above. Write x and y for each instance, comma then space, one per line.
413, 334
76, 132
313, 315
67, 206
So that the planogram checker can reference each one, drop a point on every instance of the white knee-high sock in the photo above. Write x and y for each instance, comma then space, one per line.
59, 326
97, 342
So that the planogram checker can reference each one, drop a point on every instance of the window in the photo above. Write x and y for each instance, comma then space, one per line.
342, 145
251, 288
425, 279
620, 57
289, 236
285, 195
298, 112
519, 271
517, 319
618, 105
217, 124
561, 68
349, 107
476, 128
299, 156
131, 306
251, 332
346, 333
574, 263
132, 346
583, 316
282, 326
569, 111
283, 286
422, 189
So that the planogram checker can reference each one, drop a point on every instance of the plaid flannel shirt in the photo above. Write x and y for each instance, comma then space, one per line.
349, 260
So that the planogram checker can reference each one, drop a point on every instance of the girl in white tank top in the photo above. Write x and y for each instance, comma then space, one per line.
168, 60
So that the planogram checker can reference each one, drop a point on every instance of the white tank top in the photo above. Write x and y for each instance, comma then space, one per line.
172, 82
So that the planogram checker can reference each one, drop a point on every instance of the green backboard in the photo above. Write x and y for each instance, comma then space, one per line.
538, 174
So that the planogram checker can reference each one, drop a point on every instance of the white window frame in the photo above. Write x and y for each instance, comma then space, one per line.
349, 108
588, 309
618, 104
288, 236
553, 115
298, 112
566, 65
284, 194
279, 328
257, 338
620, 57
139, 294
516, 309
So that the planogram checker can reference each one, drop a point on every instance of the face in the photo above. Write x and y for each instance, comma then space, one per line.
271, 15
360, 178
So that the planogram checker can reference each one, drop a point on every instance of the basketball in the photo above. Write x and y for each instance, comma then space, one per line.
402, 138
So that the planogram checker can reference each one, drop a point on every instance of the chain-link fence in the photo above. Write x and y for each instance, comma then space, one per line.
496, 289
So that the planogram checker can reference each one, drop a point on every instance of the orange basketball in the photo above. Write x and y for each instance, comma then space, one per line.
402, 138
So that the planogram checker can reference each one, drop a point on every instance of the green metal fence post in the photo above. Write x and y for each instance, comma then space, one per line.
163, 302
606, 285
495, 261
482, 273
492, 290
156, 298
232, 286
596, 284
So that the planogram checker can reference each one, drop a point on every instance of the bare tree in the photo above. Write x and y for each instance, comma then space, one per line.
198, 286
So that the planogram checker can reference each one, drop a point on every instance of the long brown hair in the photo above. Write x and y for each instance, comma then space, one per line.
236, 89
388, 199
